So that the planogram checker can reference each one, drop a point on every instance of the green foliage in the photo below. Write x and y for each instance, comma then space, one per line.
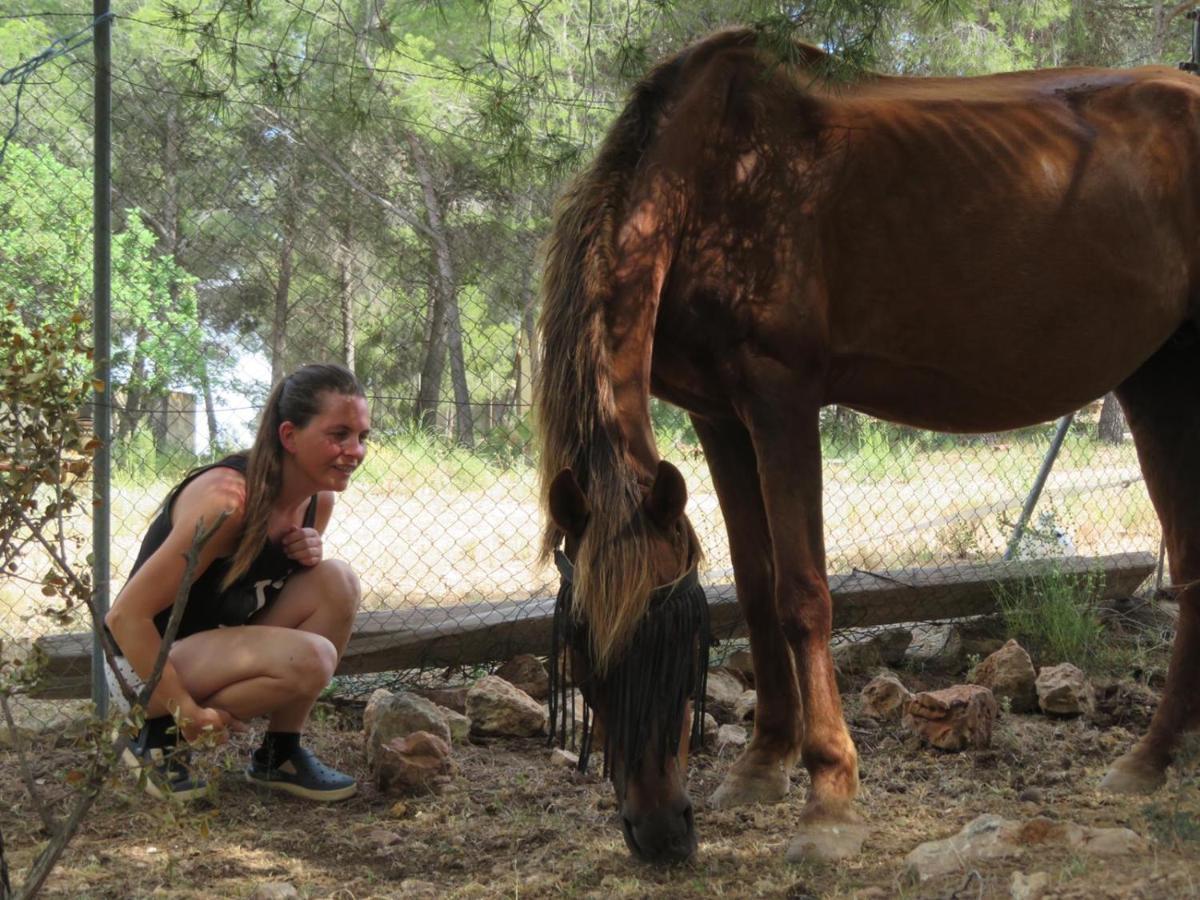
46, 272
45, 383
1056, 618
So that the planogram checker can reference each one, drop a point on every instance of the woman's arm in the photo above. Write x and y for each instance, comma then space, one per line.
154, 586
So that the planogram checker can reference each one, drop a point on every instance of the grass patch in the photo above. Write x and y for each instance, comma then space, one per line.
1056, 618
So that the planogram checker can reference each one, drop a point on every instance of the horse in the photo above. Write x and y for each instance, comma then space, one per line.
754, 241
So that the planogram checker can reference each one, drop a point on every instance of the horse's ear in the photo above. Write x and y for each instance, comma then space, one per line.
568, 506
667, 498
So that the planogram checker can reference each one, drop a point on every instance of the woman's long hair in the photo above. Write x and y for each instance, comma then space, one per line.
296, 399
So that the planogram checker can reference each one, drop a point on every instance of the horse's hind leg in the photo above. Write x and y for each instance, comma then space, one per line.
761, 772
1162, 404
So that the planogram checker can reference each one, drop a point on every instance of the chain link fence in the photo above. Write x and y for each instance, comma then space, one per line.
252, 234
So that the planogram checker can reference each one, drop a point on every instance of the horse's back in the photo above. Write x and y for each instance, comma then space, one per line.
986, 252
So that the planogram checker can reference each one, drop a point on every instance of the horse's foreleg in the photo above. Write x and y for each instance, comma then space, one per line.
760, 773
1162, 405
787, 444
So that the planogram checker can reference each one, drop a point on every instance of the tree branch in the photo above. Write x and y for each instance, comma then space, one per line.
103, 763
342, 172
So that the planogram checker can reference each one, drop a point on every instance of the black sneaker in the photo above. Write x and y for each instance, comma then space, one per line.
163, 766
304, 775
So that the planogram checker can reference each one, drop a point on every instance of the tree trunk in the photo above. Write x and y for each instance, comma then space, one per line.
1111, 429
429, 391
130, 414
283, 287
345, 264
445, 324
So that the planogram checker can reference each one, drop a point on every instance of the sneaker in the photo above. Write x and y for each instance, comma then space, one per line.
304, 775
164, 770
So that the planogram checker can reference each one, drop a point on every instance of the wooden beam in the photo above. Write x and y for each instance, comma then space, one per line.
440, 637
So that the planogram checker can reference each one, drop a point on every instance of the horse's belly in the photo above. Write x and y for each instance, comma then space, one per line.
1009, 384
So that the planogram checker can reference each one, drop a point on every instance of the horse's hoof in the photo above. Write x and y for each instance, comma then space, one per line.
738, 789
1129, 776
826, 842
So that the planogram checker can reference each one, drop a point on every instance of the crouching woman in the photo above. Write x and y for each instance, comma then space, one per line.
267, 617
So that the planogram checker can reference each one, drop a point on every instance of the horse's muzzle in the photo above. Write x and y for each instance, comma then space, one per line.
663, 836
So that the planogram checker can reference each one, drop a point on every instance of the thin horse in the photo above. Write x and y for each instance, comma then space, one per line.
964, 255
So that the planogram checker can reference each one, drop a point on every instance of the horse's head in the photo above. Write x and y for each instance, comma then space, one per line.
638, 648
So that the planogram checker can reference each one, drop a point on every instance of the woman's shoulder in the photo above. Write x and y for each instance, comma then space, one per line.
217, 490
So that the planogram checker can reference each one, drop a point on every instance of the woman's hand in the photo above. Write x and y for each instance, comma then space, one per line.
302, 544
208, 725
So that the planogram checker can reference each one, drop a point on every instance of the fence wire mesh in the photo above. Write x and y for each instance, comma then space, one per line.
356, 222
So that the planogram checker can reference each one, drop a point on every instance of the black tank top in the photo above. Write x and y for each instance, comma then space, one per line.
208, 606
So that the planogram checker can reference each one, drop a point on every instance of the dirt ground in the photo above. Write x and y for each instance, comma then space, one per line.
512, 825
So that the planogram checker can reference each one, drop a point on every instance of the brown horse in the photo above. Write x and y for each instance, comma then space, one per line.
964, 255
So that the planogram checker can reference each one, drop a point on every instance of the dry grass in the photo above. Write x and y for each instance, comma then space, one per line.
511, 825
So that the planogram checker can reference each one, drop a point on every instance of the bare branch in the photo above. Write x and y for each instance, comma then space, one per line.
103, 763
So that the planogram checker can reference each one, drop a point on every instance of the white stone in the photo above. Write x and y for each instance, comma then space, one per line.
731, 737
745, 706
1064, 690
496, 707
459, 725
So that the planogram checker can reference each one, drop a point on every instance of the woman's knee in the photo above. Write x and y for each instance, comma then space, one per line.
339, 584
312, 662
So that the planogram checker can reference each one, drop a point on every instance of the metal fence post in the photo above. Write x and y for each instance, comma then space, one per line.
1035, 492
101, 311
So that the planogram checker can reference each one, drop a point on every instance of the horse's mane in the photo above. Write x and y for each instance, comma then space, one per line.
576, 411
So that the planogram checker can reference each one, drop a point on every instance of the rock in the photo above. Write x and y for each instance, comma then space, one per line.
275, 890
982, 636
1029, 887
954, 718
1009, 673
743, 710
992, 837
527, 673
564, 758
1031, 795
827, 843
710, 732
884, 697
496, 707
419, 763
575, 707
1064, 690
856, 657
389, 716
741, 663
893, 643
937, 648
731, 738
451, 698
459, 725
723, 689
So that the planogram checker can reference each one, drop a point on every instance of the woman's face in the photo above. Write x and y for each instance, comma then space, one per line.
330, 447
